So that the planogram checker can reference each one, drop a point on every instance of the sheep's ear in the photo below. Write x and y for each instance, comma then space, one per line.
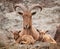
20, 13
13, 32
33, 13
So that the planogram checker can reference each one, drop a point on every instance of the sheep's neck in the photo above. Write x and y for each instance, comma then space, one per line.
27, 21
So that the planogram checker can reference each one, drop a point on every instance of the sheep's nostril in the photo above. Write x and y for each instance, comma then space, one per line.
26, 27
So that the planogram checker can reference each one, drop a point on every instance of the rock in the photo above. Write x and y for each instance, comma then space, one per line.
57, 35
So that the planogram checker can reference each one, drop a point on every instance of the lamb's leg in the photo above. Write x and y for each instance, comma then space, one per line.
53, 41
18, 40
48, 38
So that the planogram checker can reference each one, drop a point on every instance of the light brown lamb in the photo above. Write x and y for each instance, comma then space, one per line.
27, 39
44, 37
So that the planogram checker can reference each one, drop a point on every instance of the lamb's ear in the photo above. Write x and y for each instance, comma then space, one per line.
46, 31
13, 32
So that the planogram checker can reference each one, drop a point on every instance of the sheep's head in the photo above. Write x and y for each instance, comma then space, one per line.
27, 14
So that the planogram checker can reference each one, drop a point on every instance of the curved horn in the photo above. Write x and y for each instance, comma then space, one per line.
21, 6
35, 6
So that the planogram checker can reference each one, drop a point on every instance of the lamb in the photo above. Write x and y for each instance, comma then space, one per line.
27, 39
44, 37
28, 29
16, 34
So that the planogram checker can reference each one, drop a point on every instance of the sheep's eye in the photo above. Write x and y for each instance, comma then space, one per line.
33, 13
20, 13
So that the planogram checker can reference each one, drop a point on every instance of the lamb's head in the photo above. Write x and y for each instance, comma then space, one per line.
27, 14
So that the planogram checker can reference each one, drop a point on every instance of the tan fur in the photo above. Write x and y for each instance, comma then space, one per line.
27, 39
27, 13
16, 35
44, 37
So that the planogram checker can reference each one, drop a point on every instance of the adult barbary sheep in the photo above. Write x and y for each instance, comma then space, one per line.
28, 29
